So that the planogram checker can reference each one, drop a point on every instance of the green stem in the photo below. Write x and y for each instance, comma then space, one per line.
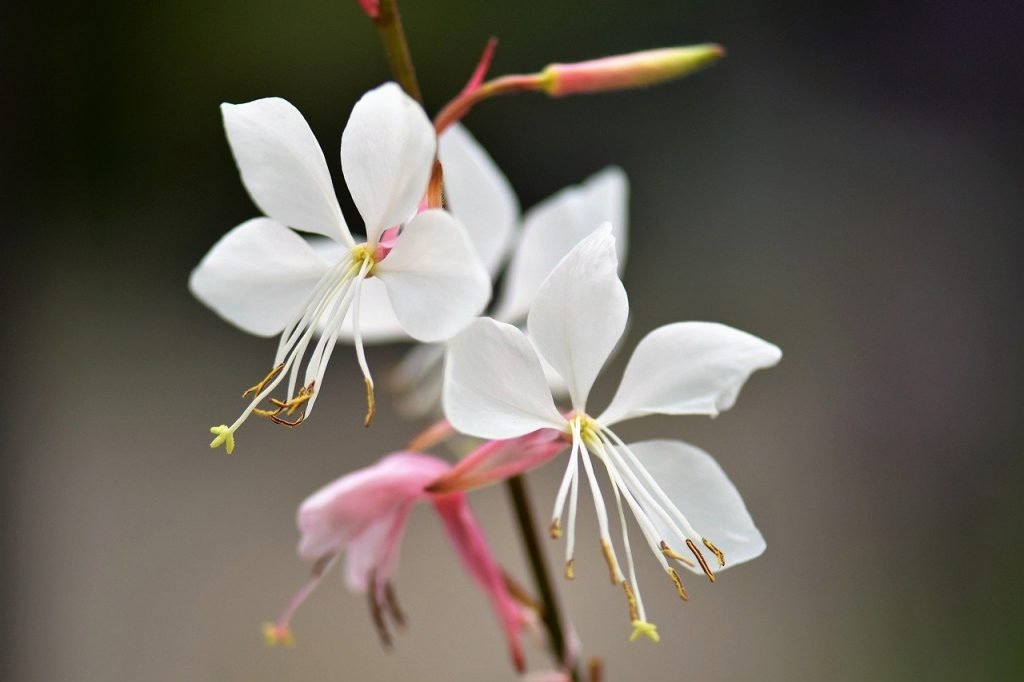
392, 35
528, 529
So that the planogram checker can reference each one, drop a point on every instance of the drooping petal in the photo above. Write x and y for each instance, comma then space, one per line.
434, 279
688, 368
372, 555
283, 167
387, 151
478, 194
580, 312
258, 276
704, 494
553, 227
341, 511
468, 539
494, 386
497, 460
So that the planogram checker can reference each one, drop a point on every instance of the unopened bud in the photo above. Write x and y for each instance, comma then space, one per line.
634, 70
371, 7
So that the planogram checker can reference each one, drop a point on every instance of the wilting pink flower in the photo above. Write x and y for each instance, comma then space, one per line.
363, 516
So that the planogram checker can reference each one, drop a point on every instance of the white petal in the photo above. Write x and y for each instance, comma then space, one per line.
553, 227
704, 494
418, 380
377, 320
283, 167
688, 368
387, 151
479, 195
494, 386
258, 276
580, 312
433, 277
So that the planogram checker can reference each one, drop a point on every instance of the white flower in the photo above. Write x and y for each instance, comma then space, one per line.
483, 200
266, 279
495, 388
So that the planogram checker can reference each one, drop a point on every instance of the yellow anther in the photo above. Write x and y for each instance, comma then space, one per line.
677, 581
671, 554
648, 630
634, 613
570, 573
609, 558
717, 552
555, 529
371, 402
223, 436
288, 407
258, 388
700, 559
274, 634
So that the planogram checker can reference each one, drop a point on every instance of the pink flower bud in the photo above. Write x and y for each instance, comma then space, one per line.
633, 70
371, 7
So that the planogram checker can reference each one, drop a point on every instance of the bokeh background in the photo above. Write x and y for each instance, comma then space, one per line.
846, 184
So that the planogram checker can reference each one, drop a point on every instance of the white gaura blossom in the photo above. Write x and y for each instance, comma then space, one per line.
267, 279
495, 388
480, 196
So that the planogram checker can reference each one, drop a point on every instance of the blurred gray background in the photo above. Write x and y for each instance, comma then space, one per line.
846, 184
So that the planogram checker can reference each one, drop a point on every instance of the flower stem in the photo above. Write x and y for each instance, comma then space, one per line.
528, 529
392, 35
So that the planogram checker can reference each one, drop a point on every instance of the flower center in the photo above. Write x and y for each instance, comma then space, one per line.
364, 254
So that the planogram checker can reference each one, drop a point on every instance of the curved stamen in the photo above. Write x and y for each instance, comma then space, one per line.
371, 404
280, 632
668, 504
602, 513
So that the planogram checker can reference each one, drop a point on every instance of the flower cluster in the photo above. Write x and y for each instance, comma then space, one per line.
442, 226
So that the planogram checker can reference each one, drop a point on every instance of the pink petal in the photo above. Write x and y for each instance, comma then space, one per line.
341, 511
497, 460
468, 538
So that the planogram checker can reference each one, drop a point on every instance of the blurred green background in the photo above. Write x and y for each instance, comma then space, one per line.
846, 184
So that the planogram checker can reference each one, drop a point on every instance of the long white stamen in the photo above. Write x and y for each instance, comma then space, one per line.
652, 506
327, 343
563, 488
666, 503
297, 350
330, 302
625, 533
647, 527
295, 328
357, 334
334, 317
602, 513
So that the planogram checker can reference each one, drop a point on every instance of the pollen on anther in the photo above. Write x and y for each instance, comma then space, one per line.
671, 554
570, 572
609, 558
677, 581
371, 402
700, 559
555, 529
634, 612
719, 555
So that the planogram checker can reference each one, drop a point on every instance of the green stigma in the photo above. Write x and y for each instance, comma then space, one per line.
649, 630
223, 436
